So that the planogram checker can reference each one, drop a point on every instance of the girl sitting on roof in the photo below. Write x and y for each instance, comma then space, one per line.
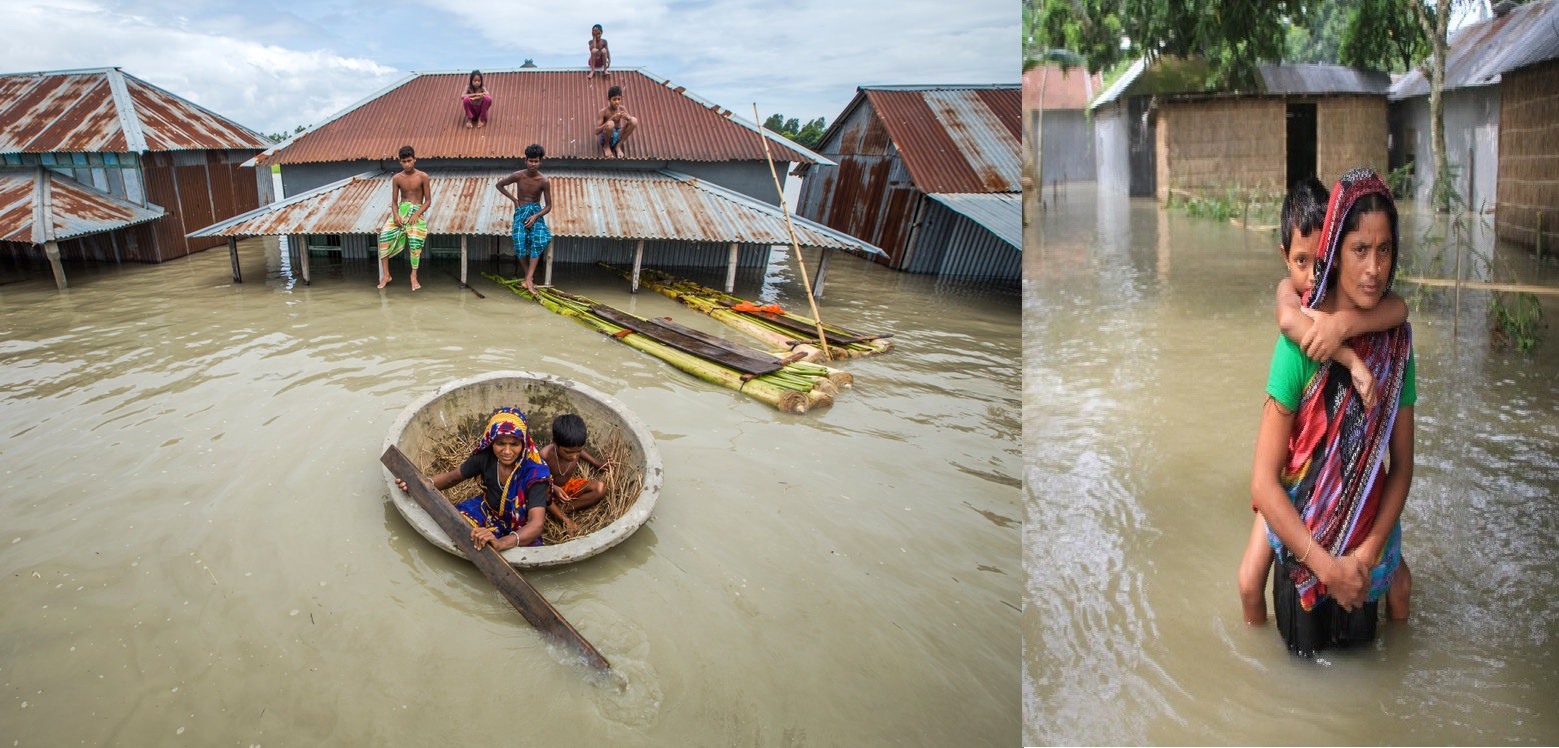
476, 101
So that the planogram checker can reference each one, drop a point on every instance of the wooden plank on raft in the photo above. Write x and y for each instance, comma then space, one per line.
809, 331
701, 344
510, 584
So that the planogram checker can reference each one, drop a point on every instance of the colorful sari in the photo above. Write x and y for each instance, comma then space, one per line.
509, 516
1337, 448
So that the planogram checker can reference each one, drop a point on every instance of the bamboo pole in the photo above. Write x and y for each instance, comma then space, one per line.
791, 229
1482, 285
799, 398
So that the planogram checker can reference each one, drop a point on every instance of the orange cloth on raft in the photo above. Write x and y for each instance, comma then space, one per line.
749, 307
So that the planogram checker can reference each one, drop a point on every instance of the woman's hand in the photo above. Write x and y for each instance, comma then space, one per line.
1347, 580
482, 536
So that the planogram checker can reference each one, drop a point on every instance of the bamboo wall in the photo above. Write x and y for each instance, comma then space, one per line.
1350, 132
1208, 145
1528, 191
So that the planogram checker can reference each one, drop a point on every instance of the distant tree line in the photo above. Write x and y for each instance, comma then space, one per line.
808, 136
277, 137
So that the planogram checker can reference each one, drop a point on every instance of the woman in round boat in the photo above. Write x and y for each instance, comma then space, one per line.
515, 484
1321, 478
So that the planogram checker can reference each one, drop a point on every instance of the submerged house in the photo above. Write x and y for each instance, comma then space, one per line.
694, 188
1499, 98
1055, 105
1159, 131
100, 165
930, 174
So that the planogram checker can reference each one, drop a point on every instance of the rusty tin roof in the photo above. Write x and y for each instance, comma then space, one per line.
556, 107
38, 205
107, 110
952, 138
619, 204
1064, 89
1480, 53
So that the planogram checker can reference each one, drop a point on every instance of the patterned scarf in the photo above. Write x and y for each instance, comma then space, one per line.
1337, 448
510, 515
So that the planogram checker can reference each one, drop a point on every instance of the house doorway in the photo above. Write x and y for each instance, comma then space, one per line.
1301, 142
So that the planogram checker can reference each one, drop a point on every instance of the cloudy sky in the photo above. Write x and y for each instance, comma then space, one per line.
274, 65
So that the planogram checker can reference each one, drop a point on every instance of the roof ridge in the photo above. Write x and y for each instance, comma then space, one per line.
124, 107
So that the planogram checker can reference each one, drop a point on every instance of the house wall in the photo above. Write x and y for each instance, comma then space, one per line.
1111, 149
1351, 132
1066, 146
1528, 184
1472, 122
196, 189
869, 195
950, 245
1212, 144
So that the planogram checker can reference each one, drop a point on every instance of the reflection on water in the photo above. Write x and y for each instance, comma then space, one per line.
1146, 341
198, 543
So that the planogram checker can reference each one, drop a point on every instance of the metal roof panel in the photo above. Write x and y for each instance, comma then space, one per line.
1000, 212
951, 138
619, 204
67, 208
1479, 54
77, 111
556, 108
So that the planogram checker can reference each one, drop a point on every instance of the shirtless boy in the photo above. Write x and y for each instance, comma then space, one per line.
600, 56
410, 194
532, 198
614, 124
570, 491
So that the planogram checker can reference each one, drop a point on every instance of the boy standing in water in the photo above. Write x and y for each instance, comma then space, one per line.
615, 124
1322, 337
410, 194
532, 198
600, 56
570, 491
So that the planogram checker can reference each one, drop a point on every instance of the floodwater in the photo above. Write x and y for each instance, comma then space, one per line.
198, 544
1146, 341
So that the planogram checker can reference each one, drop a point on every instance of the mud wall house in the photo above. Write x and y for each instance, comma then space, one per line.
110, 141
1487, 63
693, 189
930, 174
1302, 120
1055, 104
1528, 190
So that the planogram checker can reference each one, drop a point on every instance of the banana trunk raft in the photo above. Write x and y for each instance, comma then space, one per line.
769, 324
783, 381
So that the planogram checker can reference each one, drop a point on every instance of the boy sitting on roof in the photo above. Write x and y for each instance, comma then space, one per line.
532, 198
410, 194
615, 124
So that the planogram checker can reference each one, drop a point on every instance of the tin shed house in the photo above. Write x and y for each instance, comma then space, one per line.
131, 168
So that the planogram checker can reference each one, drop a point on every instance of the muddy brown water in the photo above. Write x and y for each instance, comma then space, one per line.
198, 544
1146, 341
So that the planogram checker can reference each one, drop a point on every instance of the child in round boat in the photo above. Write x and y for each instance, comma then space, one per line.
570, 491
515, 484
1322, 336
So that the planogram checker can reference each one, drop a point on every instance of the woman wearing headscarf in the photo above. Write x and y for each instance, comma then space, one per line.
515, 482
1322, 478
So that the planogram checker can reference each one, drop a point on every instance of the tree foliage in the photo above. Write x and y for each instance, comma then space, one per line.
277, 137
1384, 35
1232, 35
1319, 39
808, 135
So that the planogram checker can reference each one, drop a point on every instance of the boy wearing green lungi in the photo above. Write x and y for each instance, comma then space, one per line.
410, 194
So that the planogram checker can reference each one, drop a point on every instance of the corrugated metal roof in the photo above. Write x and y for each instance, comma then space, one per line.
1479, 54
1300, 79
107, 110
1000, 212
1064, 89
38, 205
953, 138
1169, 76
557, 108
620, 204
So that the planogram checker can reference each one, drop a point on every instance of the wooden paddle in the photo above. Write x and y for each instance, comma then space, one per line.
510, 584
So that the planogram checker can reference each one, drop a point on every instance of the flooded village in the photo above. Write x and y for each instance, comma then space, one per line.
199, 376
1148, 333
